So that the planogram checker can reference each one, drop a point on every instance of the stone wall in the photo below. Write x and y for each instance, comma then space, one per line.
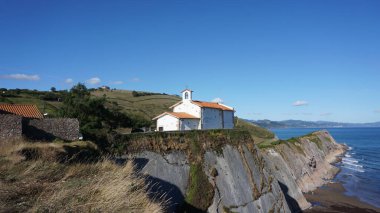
10, 126
51, 128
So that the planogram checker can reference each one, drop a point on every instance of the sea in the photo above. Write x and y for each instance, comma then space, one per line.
360, 166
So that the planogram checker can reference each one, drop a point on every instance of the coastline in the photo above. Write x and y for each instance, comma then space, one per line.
330, 196
325, 171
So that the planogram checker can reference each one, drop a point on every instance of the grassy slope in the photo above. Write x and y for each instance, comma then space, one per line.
258, 134
45, 185
148, 106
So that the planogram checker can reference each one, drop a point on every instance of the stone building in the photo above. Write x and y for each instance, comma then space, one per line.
17, 120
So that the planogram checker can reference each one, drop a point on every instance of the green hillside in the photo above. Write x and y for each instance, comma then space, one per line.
147, 105
258, 134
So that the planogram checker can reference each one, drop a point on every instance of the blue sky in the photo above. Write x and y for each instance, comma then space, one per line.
310, 60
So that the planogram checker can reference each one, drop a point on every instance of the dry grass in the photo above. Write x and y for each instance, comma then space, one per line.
45, 185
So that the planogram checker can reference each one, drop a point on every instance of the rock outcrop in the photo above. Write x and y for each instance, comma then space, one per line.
224, 171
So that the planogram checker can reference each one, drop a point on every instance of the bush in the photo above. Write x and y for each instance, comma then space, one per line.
138, 94
50, 96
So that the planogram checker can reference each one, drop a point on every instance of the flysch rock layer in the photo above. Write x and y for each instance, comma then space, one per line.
242, 183
167, 175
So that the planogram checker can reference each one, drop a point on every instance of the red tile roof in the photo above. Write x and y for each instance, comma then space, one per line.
24, 110
181, 115
212, 105
207, 105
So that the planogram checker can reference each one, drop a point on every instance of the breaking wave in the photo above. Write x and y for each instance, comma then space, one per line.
351, 163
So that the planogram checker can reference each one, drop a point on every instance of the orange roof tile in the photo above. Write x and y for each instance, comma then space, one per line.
212, 105
24, 110
181, 115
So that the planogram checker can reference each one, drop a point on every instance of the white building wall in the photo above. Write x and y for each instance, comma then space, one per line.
211, 118
189, 108
169, 123
228, 117
189, 124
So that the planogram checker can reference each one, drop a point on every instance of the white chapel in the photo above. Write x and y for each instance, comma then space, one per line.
189, 114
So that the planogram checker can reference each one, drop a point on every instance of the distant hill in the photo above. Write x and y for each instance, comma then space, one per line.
309, 124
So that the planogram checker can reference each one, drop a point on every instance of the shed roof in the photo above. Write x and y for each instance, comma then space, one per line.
24, 110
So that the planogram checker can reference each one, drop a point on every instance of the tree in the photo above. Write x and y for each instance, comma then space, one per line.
96, 115
135, 94
53, 89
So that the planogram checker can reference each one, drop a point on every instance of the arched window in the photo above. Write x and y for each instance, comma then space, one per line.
186, 95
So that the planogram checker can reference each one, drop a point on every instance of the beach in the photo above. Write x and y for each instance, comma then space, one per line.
331, 198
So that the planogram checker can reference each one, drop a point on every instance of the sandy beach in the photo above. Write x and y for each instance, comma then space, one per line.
331, 198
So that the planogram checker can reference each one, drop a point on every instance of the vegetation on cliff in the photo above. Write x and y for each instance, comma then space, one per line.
314, 137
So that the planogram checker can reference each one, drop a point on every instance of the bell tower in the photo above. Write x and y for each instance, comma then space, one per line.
187, 95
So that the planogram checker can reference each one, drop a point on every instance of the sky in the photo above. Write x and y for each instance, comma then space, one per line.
309, 60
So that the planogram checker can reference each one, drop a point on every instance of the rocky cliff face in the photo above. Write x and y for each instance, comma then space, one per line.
224, 171
303, 164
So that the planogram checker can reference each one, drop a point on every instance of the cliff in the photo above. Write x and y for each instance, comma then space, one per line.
225, 171
303, 164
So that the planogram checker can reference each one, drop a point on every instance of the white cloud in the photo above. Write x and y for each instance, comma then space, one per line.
21, 77
117, 82
69, 81
300, 103
377, 111
217, 100
93, 81
135, 79
326, 114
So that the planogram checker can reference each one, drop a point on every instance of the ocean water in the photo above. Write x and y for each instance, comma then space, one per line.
360, 167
